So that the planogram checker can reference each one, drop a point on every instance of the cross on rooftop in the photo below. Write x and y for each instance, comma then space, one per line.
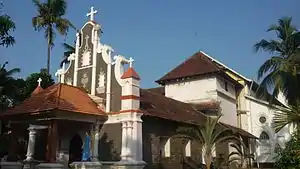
131, 60
39, 81
92, 13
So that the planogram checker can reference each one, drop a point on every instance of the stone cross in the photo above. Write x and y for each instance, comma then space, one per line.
92, 13
131, 60
39, 81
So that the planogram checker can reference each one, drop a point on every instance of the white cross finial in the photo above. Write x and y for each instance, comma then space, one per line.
92, 13
131, 60
39, 81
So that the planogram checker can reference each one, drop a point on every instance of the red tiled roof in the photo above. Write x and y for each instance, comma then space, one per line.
130, 73
157, 105
198, 64
57, 97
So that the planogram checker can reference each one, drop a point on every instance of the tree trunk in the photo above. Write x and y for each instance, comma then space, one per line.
48, 58
49, 50
208, 160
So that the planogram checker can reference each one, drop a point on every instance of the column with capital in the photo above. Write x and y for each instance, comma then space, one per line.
31, 144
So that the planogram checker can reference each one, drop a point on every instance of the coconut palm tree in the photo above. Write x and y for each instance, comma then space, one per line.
69, 49
280, 73
6, 27
211, 134
50, 18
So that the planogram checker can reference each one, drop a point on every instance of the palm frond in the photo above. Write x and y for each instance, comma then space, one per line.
284, 117
62, 25
6, 27
268, 46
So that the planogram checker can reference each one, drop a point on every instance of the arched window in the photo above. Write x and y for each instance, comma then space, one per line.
188, 149
165, 147
264, 136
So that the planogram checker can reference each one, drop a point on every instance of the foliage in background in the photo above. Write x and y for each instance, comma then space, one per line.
69, 49
7, 26
9, 87
289, 158
50, 18
280, 73
31, 82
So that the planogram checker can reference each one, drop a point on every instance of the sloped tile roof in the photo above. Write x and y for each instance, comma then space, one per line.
130, 73
57, 97
155, 104
197, 64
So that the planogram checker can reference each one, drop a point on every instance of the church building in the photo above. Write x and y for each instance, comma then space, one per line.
99, 94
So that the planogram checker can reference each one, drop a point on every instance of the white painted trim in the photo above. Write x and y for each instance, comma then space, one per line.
76, 59
95, 46
106, 51
233, 71
108, 85
85, 67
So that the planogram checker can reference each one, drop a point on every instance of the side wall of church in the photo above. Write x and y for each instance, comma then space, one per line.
193, 91
227, 97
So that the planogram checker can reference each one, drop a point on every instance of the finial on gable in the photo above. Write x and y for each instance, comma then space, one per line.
92, 13
130, 61
39, 81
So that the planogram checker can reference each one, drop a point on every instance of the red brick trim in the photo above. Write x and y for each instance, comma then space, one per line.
130, 97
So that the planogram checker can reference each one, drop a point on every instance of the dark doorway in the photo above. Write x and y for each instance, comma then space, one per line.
75, 149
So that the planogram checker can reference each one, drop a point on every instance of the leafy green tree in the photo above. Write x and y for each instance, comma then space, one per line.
280, 73
289, 157
31, 82
211, 134
9, 87
7, 26
69, 49
50, 18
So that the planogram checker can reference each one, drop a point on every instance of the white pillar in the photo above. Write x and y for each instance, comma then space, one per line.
124, 141
76, 59
94, 56
31, 144
96, 141
62, 76
108, 84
